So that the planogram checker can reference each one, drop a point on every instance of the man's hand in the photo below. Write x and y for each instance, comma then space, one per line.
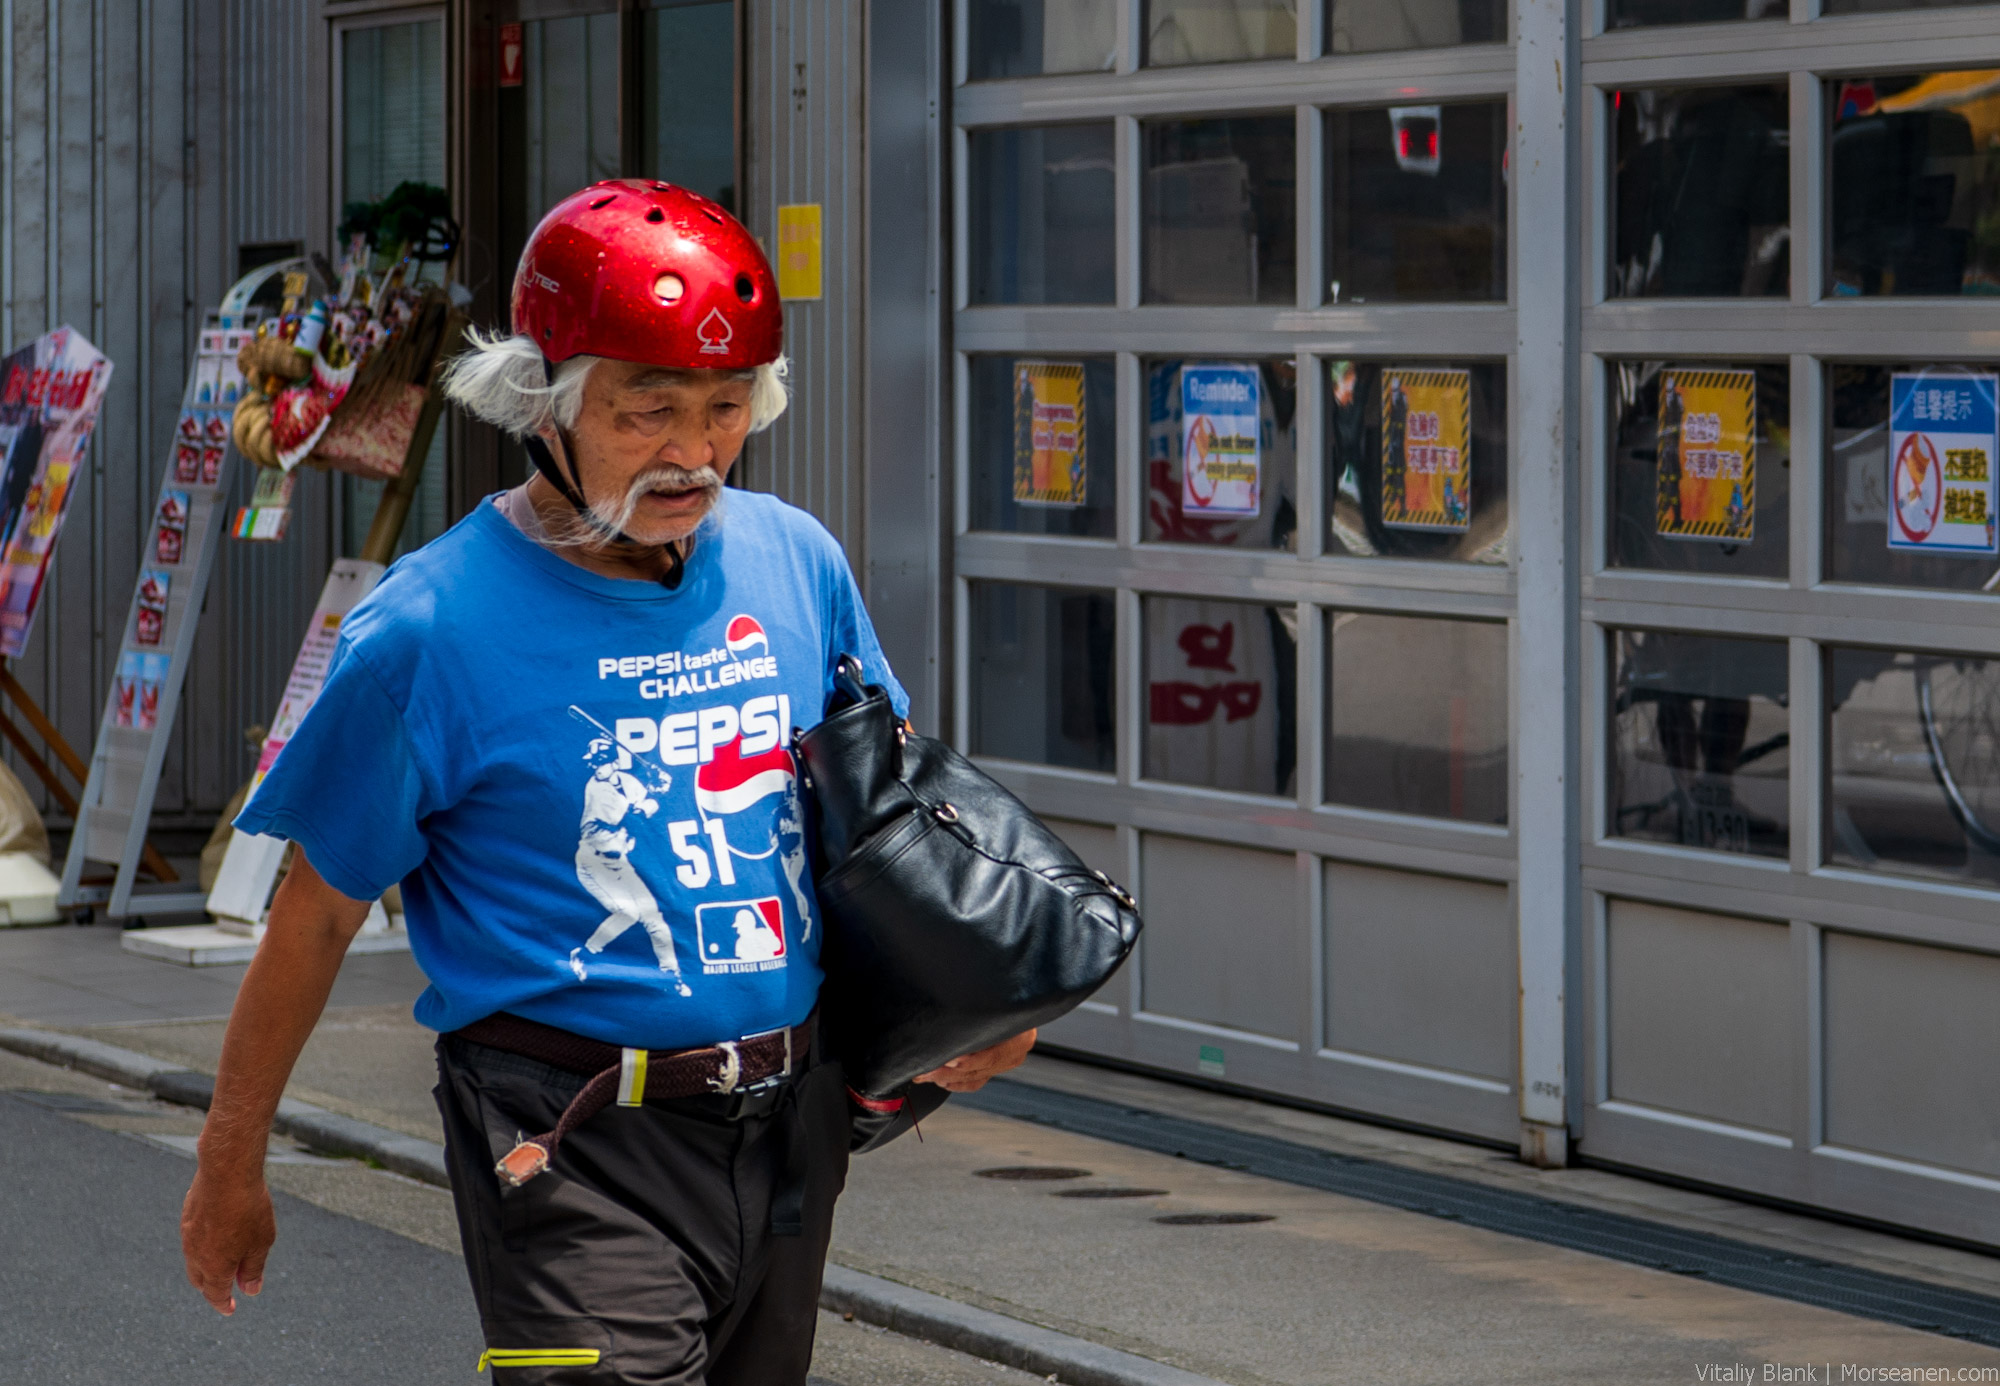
227, 1228
969, 1073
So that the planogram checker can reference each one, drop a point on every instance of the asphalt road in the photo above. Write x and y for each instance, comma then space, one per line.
364, 1286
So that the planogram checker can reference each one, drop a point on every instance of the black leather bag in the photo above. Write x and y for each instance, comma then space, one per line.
954, 918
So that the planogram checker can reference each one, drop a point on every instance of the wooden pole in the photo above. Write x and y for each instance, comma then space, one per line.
394, 508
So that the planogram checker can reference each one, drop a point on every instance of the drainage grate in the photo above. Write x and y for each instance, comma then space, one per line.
1213, 1219
1725, 1261
1111, 1193
1033, 1173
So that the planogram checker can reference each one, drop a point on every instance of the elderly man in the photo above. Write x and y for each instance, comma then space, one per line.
617, 643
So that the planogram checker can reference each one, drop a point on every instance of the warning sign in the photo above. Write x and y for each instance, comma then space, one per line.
1219, 438
1708, 455
1942, 441
1049, 439
1427, 449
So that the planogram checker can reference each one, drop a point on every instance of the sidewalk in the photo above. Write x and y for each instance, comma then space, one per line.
1329, 1289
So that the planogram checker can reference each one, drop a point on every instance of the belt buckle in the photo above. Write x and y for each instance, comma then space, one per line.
785, 1033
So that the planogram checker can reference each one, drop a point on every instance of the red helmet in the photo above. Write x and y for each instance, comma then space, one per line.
641, 271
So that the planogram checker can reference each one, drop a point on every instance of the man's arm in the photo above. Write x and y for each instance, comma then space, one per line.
227, 1226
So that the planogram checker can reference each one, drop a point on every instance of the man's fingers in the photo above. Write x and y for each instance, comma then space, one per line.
250, 1275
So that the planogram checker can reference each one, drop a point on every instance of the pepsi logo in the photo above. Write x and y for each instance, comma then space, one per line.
745, 633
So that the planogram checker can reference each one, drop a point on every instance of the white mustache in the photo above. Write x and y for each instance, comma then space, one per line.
663, 481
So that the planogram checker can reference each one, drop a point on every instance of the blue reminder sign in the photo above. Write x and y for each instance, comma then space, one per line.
1944, 433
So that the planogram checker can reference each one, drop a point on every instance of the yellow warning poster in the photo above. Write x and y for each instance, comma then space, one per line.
1426, 449
799, 257
1049, 437
1708, 455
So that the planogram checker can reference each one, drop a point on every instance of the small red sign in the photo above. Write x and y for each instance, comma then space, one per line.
510, 55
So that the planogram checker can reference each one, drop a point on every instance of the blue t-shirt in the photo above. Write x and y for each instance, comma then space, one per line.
584, 784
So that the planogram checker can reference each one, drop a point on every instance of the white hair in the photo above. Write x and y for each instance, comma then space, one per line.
505, 381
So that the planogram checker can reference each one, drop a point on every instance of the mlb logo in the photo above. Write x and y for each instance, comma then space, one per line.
743, 932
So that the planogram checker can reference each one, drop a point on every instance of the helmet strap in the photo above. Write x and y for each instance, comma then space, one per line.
570, 487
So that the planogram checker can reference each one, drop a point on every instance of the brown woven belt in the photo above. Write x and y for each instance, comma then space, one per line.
630, 1077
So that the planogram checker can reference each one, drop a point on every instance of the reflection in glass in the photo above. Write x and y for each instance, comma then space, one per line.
1915, 172
1042, 215
558, 130
1686, 495
1914, 763
1417, 203
1220, 201
1025, 38
1857, 487
1042, 675
1699, 741
1019, 402
1219, 31
1417, 715
1175, 516
1380, 26
1373, 505
687, 131
392, 131
1632, 14
1703, 192
1222, 694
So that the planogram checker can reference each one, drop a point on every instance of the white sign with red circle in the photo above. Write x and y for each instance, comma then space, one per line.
1944, 437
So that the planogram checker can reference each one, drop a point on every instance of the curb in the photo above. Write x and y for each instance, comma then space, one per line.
995, 1337
915, 1313
315, 1127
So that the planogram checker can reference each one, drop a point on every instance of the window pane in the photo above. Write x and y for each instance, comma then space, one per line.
1042, 215
1916, 184
1915, 542
1700, 467
391, 108
1631, 14
1240, 414
1699, 747
1042, 660
1044, 440
1024, 38
687, 131
1703, 192
558, 130
1378, 26
1220, 31
1914, 762
1222, 694
1417, 204
1417, 715
1435, 490
1220, 199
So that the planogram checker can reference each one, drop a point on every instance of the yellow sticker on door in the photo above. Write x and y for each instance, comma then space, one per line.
799, 254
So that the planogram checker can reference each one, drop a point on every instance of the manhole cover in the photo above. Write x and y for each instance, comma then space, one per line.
1033, 1172
1212, 1219
1112, 1193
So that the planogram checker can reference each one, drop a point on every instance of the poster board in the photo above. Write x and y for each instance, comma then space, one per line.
250, 867
1944, 434
176, 560
50, 393
1707, 465
1427, 449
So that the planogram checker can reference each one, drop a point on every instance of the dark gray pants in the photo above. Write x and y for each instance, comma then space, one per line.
645, 1254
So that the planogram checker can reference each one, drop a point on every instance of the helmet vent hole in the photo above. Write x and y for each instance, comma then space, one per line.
669, 287
712, 215
745, 290
659, 187
656, 215
602, 203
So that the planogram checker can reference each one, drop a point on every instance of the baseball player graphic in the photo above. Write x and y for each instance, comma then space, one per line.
619, 785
